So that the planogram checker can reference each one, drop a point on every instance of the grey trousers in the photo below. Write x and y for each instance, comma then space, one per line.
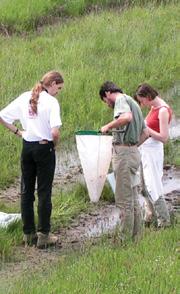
126, 161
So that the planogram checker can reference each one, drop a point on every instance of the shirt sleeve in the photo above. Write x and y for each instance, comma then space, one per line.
55, 118
11, 112
121, 106
144, 124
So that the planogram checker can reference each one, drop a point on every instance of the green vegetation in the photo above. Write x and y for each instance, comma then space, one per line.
139, 44
67, 206
149, 267
9, 238
129, 47
20, 15
172, 152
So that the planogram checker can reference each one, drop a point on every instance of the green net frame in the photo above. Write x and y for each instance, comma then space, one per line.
91, 132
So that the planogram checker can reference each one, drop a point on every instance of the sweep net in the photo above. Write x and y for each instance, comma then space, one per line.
95, 151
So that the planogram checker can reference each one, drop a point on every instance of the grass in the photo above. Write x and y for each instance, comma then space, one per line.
20, 15
9, 238
172, 152
129, 47
149, 267
68, 205
123, 47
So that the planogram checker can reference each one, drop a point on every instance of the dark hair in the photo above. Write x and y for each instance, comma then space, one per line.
135, 98
145, 90
46, 81
108, 87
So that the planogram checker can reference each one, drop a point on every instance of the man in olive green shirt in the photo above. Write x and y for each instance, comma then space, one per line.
129, 131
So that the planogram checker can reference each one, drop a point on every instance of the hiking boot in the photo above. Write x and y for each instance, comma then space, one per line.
46, 240
30, 239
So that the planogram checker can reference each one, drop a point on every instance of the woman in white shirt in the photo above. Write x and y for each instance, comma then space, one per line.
39, 114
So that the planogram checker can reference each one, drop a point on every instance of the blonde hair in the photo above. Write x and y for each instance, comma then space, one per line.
46, 81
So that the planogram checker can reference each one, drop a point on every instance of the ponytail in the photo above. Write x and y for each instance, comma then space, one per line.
35, 96
46, 81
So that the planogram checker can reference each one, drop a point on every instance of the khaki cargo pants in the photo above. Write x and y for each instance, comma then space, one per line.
126, 161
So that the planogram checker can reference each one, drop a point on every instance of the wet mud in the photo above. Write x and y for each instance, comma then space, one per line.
104, 218
89, 227
85, 230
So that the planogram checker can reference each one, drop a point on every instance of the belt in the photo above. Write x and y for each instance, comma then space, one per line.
126, 145
41, 142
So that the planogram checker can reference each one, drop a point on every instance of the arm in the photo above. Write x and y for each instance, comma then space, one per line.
55, 135
163, 135
122, 120
11, 127
144, 136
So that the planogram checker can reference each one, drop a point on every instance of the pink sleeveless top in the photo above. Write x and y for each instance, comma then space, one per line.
152, 119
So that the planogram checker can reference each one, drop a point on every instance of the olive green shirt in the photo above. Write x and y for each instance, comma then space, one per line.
130, 133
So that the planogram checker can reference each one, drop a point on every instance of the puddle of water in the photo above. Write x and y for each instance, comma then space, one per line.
171, 180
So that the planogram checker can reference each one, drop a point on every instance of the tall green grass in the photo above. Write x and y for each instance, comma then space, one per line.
10, 237
20, 15
9, 158
149, 267
68, 205
140, 44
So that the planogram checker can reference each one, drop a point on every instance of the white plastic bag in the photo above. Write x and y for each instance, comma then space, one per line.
8, 218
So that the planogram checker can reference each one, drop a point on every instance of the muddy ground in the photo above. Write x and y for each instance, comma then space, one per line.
87, 227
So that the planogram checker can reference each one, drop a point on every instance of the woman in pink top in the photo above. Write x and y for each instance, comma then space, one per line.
152, 151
